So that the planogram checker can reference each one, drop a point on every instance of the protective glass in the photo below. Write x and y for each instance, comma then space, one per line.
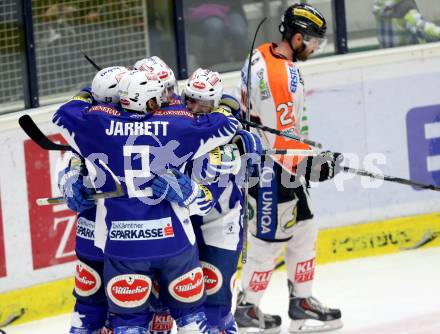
315, 44
199, 106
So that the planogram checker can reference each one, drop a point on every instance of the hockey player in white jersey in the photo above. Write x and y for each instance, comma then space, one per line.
283, 215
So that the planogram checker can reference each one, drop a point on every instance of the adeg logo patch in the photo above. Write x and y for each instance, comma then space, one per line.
87, 280
129, 290
213, 278
188, 288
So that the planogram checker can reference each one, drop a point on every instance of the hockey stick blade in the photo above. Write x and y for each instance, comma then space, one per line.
12, 318
33, 131
118, 192
428, 237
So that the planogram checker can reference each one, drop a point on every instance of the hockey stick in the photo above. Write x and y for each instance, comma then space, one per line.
428, 237
300, 153
90, 60
118, 192
400, 180
33, 131
280, 133
11, 318
247, 176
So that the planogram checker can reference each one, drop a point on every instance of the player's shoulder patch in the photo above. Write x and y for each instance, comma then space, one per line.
82, 96
293, 76
183, 113
223, 111
105, 109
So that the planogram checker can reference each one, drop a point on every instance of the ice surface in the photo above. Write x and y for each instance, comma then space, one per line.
392, 294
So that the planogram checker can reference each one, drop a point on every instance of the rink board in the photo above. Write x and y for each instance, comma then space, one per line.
335, 244
383, 105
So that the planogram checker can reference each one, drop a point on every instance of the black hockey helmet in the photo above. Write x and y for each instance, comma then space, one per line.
302, 18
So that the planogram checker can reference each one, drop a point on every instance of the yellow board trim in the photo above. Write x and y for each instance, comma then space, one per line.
377, 238
39, 301
335, 244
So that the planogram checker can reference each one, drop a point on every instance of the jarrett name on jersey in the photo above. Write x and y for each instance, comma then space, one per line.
136, 147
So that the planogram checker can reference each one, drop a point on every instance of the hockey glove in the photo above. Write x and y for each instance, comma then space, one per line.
73, 189
323, 167
222, 160
250, 148
232, 103
84, 95
175, 186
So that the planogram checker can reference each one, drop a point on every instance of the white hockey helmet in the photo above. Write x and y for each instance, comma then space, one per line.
160, 68
138, 87
205, 86
105, 84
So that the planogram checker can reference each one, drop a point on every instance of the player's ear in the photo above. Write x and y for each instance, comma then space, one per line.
152, 105
297, 39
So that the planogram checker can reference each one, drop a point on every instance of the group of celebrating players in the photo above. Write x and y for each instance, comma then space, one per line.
167, 250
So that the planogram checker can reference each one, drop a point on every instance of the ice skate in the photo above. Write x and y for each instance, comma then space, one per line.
250, 319
308, 315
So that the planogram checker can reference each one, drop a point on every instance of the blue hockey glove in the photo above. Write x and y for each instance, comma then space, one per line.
250, 147
73, 189
175, 186
232, 103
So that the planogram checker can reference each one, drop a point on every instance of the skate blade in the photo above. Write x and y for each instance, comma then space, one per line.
255, 330
314, 326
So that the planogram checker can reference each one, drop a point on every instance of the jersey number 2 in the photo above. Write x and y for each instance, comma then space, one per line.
142, 152
286, 117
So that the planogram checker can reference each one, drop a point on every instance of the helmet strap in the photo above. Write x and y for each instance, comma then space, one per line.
295, 52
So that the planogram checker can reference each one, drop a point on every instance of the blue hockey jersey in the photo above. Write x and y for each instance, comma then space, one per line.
136, 147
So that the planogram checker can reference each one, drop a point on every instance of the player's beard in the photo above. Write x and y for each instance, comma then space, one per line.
302, 53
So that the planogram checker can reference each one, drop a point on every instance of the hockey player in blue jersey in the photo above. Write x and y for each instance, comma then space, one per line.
202, 93
103, 89
90, 310
157, 66
219, 231
139, 237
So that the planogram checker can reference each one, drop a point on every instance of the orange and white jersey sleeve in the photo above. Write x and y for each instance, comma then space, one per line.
277, 101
